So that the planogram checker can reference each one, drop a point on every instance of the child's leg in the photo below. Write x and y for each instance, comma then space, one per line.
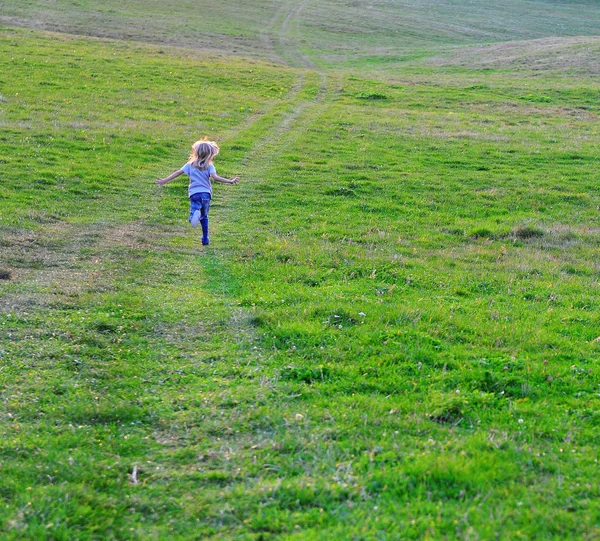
204, 218
195, 207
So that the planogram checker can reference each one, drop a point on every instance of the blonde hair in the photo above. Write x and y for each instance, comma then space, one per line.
202, 153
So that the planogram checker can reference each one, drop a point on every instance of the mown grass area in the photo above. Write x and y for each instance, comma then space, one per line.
235, 27
331, 33
392, 335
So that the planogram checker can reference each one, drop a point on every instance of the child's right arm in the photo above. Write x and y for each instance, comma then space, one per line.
161, 181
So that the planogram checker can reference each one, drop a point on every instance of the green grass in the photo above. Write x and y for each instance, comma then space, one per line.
327, 33
393, 334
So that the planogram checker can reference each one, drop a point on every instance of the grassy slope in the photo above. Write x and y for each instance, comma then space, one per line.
393, 334
331, 32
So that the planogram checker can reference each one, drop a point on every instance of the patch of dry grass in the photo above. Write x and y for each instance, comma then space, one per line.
580, 54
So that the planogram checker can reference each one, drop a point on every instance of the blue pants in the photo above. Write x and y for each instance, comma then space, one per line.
201, 202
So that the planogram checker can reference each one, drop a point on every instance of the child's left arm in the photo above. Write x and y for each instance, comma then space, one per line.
233, 180
162, 181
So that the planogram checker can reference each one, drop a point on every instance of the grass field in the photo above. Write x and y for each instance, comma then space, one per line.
395, 332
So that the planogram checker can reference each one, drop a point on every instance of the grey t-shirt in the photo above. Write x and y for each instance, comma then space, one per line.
199, 178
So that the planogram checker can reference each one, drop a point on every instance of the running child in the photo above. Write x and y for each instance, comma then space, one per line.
200, 171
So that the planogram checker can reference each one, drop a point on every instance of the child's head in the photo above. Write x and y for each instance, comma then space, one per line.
202, 153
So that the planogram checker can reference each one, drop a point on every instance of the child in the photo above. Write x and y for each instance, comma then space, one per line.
200, 170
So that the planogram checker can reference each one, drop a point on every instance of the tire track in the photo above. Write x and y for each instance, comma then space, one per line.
309, 95
288, 43
285, 127
278, 36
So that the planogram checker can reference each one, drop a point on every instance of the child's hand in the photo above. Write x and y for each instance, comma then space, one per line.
160, 181
235, 180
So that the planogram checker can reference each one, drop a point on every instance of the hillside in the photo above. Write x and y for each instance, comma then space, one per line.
326, 33
394, 332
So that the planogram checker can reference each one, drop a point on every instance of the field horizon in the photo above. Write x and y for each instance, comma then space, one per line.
394, 333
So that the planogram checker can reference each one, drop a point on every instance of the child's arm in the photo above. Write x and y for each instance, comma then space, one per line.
161, 181
216, 177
